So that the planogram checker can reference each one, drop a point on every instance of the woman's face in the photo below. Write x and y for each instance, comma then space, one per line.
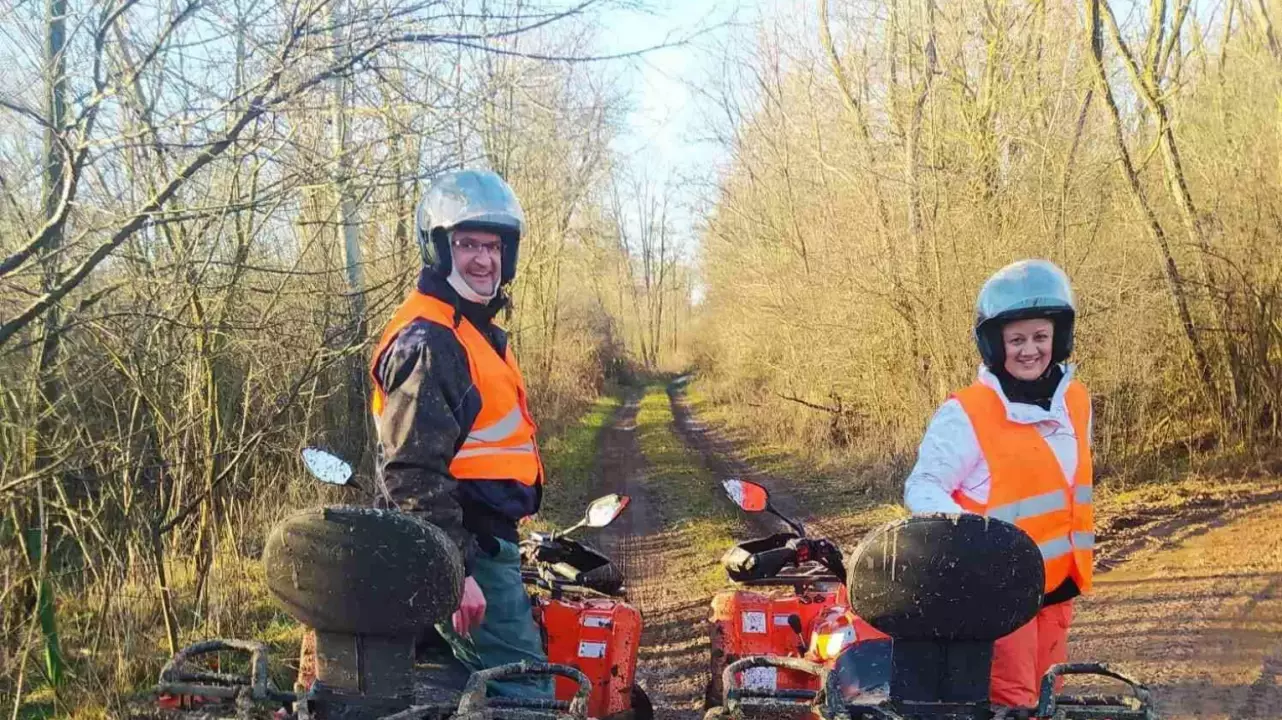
1028, 347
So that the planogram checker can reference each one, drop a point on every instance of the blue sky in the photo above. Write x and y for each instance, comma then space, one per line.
663, 132
664, 108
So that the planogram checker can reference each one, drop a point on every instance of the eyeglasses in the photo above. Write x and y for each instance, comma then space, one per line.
472, 245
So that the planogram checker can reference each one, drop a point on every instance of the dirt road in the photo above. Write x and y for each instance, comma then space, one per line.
655, 559
1199, 620
1189, 600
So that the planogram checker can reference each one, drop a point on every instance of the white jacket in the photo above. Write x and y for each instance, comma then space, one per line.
949, 457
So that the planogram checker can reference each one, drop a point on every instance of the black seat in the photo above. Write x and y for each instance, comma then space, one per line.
368, 582
945, 587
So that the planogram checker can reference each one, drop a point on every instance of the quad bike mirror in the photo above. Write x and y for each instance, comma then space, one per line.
605, 509
326, 467
749, 496
600, 512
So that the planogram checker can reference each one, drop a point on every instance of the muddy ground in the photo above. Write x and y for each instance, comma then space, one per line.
670, 654
1188, 597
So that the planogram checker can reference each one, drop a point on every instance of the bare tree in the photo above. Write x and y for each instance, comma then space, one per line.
189, 298
975, 124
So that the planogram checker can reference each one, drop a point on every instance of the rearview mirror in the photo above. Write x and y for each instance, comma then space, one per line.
749, 496
604, 510
326, 467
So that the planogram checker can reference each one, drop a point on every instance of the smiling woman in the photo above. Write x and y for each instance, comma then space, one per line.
1015, 446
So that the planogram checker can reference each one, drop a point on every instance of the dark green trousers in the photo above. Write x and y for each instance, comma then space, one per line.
508, 633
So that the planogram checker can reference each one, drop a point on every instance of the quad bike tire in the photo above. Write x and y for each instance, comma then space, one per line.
356, 570
713, 692
712, 695
642, 708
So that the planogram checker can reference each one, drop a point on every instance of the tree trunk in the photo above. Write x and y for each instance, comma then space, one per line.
912, 145
166, 593
1266, 24
349, 235
47, 389
1171, 272
1148, 84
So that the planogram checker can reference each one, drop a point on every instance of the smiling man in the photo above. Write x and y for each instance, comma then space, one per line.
456, 441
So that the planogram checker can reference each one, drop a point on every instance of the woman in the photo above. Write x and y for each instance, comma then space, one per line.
1015, 445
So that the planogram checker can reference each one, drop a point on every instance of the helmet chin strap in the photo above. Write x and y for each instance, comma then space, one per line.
465, 291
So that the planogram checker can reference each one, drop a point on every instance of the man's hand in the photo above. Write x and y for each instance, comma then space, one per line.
471, 609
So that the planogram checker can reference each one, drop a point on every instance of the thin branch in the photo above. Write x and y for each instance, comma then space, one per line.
571, 58
799, 401
437, 37
258, 106
1181, 13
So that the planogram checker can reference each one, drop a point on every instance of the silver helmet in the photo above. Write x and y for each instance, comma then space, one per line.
1024, 289
468, 199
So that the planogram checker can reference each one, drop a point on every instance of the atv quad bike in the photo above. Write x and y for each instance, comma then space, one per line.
369, 582
790, 602
580, 605
944, 588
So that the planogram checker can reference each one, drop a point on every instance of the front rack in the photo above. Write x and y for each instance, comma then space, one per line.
1137, 706
177, 679
828, 704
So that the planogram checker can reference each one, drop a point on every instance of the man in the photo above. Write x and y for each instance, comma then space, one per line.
456, 439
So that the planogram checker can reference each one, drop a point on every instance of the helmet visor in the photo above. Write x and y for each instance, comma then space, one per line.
1025, 287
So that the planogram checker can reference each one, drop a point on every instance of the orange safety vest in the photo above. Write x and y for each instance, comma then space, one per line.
1028, 484
500, 444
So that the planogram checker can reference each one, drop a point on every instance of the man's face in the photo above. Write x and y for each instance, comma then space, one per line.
478, 255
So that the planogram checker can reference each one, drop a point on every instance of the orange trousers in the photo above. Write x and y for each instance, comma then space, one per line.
1023, 657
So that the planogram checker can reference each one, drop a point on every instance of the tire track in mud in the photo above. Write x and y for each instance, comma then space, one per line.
671, 663
663, 560
1144, 530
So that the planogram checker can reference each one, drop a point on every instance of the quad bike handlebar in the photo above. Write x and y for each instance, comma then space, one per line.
784, 559
558, 586
561, 564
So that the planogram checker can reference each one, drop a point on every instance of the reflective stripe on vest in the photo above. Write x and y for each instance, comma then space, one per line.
1028, 487
1030, 507
500, 444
